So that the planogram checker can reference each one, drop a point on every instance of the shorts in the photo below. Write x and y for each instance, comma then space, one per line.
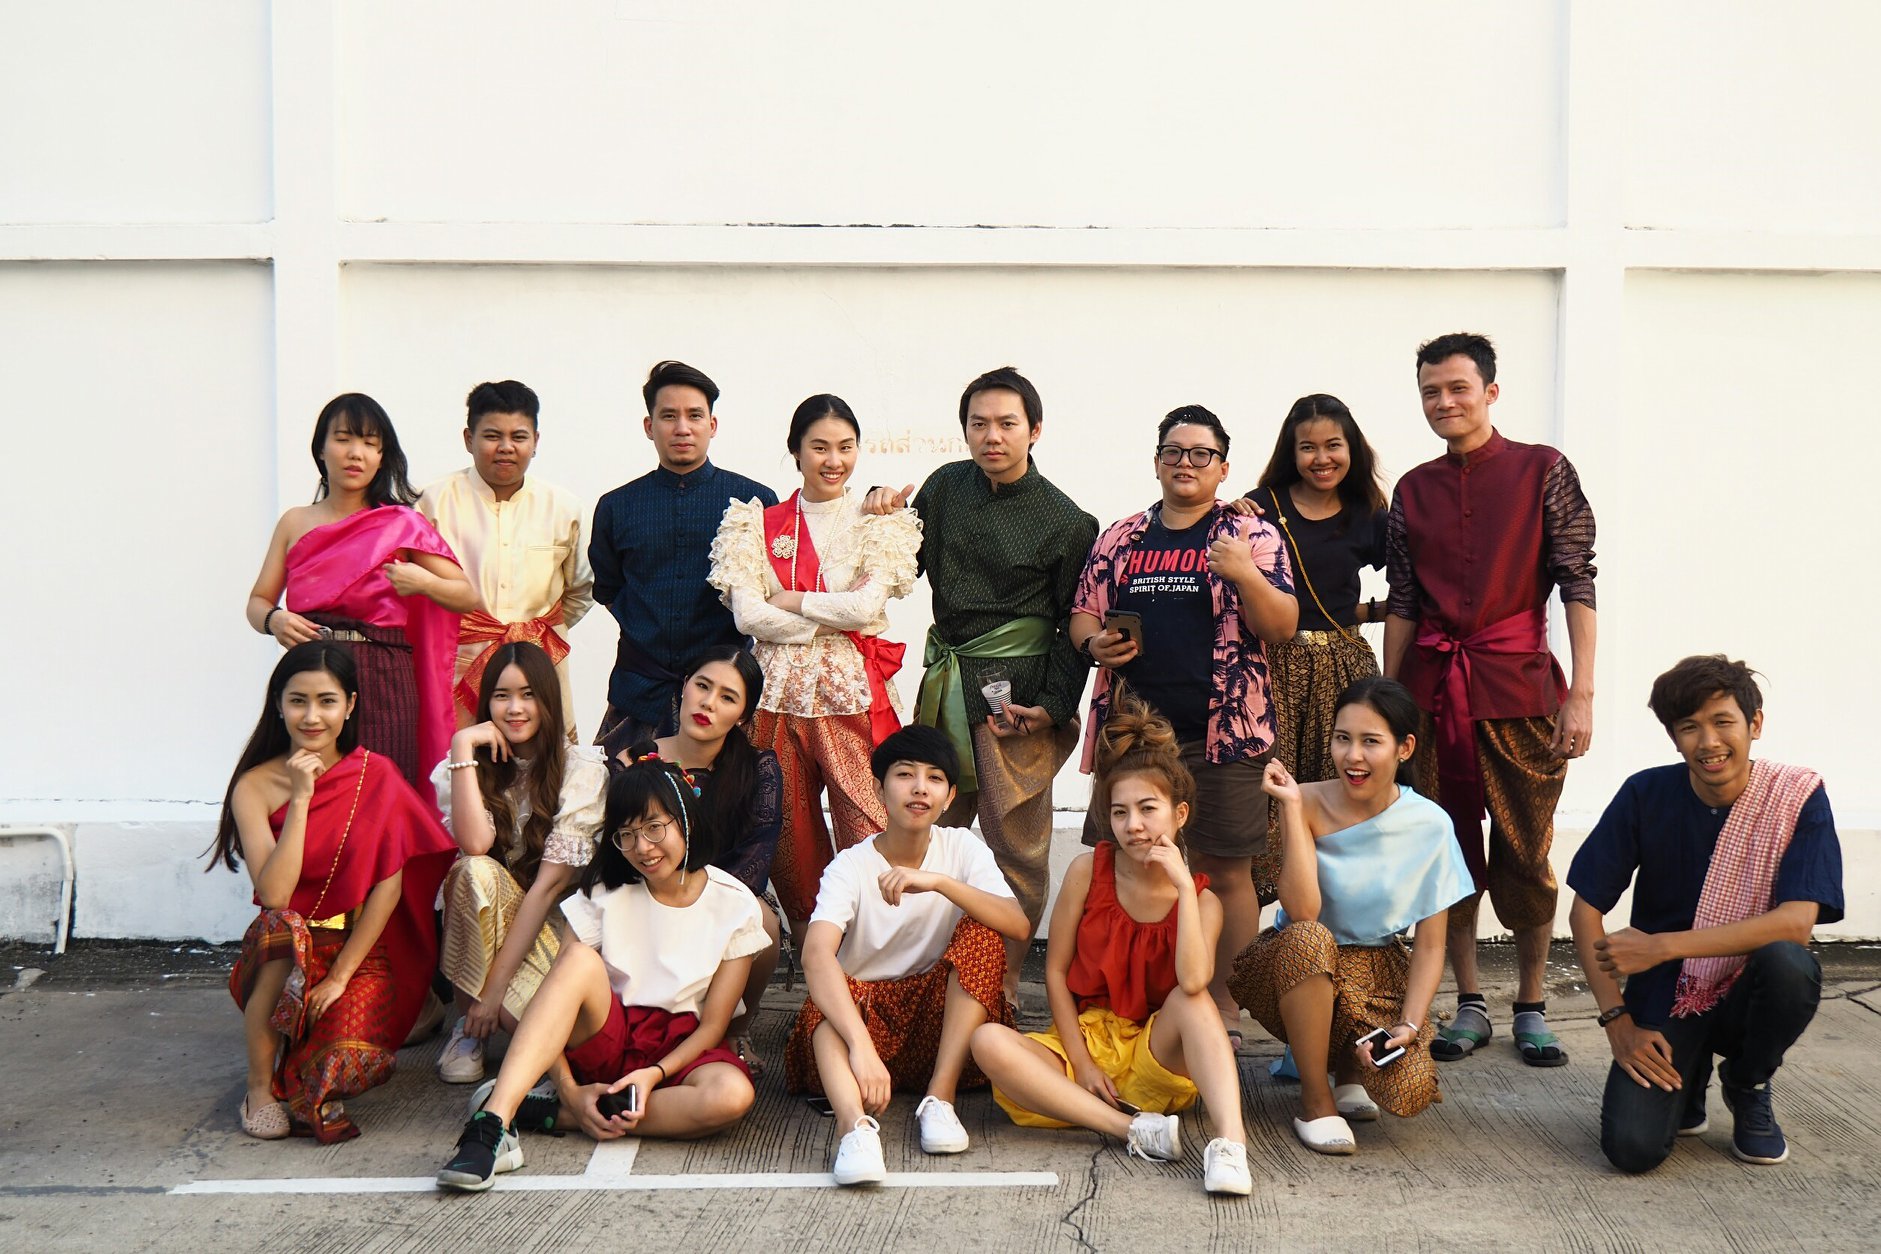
1120, 1048
639, 1036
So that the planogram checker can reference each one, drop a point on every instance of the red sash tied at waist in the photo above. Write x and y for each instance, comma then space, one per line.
798, 568
1458, 774
478, 627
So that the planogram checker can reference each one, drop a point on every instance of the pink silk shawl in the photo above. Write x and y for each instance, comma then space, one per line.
335, 569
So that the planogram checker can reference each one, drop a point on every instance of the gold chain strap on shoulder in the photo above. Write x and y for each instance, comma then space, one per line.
1299, 562
333, 870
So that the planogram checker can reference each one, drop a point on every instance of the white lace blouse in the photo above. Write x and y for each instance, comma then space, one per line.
571, 839
866, 560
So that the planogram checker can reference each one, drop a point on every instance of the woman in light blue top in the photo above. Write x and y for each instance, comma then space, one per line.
1363, 860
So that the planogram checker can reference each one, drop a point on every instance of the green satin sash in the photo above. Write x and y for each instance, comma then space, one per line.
942, 702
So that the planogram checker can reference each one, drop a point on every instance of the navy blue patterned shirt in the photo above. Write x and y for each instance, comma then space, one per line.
651, 549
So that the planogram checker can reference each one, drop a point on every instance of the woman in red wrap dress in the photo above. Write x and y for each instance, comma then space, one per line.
346, 861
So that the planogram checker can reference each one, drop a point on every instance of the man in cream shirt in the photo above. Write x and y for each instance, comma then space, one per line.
519, 540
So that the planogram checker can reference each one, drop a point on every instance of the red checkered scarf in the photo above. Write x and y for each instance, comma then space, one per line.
1742, 874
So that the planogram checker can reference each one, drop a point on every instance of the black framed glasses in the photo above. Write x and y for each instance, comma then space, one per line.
1175, 455
656, 833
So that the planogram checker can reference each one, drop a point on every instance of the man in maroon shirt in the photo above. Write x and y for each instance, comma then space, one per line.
1475, 542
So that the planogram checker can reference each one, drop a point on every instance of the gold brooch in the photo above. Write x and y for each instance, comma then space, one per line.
784, 546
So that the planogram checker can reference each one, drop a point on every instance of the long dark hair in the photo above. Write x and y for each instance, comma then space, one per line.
1360, 490
730, 804
632, 795
544, 785
1391, 701
364, 416
270, 740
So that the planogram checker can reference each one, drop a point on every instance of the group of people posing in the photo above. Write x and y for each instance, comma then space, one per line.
417, 812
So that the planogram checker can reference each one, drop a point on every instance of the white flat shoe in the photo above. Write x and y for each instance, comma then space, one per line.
1354, 1103
1330, 1135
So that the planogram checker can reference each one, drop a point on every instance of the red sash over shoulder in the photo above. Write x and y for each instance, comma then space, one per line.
800, 570
337, 568
365, 824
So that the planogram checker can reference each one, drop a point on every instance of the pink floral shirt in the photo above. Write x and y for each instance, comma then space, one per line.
1240, 710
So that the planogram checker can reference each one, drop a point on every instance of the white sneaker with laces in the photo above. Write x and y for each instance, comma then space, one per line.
859, 1157
1224, 1168
1156, 1136
462, 1059
941, 1129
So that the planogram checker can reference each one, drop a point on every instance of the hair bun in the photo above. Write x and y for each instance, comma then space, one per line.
1132, 727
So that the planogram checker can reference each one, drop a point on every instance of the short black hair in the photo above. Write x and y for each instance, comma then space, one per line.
666, 374
916, 743
1008, 378
1192, 416
1464, 343
507, 397
1680, 692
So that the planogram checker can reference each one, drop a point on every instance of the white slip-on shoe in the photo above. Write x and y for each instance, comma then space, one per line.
1330, 1135
1224, 1168
462, 1059
1155, 1136
859, 1157
1352, 1101
941, 1129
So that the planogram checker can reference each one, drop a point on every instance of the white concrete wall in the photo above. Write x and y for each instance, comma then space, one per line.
219, 213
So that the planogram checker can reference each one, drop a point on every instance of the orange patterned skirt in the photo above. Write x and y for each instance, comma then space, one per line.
346, 1051
904, 1016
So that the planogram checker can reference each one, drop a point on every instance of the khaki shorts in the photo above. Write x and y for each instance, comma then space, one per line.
1229, 817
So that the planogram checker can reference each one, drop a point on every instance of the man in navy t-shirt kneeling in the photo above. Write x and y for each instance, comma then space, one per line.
1737, 861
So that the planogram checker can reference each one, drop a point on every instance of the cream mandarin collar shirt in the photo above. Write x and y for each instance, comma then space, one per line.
523, 554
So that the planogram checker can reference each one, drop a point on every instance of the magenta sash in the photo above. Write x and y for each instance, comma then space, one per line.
1458, 775
336, 568
800, 570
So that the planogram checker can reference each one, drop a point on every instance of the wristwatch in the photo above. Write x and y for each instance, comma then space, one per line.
1608, 1016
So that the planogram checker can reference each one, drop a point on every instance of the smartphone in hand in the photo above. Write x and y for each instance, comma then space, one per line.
1378, 1039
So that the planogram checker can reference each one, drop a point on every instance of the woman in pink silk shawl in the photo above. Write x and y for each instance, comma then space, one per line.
362, 567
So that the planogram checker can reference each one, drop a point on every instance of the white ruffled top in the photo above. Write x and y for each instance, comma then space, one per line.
810, 668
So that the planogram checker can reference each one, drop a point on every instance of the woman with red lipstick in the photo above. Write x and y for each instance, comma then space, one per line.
1364, 859
361, 566
524, 807
810, 579
739, 788
1321, 490
346, 862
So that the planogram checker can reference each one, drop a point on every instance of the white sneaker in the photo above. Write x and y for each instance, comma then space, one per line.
462, 1059
1224, 1168
859, 1157
941, 1130
1156, 1136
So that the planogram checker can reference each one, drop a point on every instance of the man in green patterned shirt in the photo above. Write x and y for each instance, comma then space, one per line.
1003, 549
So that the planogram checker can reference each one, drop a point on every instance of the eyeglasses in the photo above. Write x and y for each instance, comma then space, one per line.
1175, 455
657, 832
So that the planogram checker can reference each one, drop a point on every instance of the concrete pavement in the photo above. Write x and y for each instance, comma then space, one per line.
120, 1073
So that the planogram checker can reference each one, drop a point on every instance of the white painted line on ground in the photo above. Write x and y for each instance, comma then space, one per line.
587, 1182
613, 1160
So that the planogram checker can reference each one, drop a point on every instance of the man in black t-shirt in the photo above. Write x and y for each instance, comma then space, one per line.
1211, 587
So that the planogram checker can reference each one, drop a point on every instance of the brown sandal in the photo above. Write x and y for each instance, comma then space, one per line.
270, 1123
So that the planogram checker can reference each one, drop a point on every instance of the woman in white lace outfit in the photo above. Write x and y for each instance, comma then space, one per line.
810, 579
524, 807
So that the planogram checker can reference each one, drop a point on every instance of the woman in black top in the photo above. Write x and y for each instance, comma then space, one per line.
1321, 490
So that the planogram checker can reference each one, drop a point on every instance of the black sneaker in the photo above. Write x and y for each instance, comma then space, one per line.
538, 1112
1756, 1138
485, 1148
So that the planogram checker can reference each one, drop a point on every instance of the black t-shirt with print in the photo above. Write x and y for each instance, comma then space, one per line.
1166, 581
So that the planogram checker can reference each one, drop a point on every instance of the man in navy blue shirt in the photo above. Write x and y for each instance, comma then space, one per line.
650, 550
1736, 864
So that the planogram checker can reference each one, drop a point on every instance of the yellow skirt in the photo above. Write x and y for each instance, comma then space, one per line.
1120, 1048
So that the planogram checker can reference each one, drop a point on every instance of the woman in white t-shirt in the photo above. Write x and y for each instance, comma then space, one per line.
631, 1021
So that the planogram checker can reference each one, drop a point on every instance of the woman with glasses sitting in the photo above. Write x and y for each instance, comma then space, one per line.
1180, 602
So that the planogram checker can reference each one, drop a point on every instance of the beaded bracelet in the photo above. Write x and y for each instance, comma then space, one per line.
458, 766
268, 618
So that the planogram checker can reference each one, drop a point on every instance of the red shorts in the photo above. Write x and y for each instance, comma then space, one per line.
639, 1036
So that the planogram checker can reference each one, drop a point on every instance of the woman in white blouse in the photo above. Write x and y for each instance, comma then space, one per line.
810, 579
525, 808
